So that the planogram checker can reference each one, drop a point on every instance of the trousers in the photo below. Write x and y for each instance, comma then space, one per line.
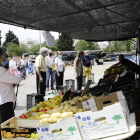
79, 82
87, 72
59, 80
49, 73
41, 86
6, 112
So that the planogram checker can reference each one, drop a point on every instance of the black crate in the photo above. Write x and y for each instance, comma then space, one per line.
132, 101
33, 99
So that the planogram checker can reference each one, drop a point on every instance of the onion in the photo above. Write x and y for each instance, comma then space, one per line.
66, 107
85, 97
66, 115
54, 120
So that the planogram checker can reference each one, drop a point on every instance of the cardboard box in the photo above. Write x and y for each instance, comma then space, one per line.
104, 112
11, 126
107, 122
68, 126
97, 103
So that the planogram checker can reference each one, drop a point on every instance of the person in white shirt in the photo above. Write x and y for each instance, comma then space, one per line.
13, 65
59, 69
23, 63
50, 60
7, 81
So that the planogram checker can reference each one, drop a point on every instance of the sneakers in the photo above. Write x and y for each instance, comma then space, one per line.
47, 88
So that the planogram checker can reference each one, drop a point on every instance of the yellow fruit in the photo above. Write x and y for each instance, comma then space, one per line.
40, 105
37, 117
41, 108
47, 103
56, 106
31, 118
37, 136
35, 109
47, 107
44, 116
32, 135
41, 113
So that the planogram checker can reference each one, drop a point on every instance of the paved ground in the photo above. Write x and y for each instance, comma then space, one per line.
28, 86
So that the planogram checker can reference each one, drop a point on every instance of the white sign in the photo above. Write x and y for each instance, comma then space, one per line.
48, 38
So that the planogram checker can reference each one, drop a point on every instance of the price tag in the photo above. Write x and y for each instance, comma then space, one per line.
123, 73
117, 77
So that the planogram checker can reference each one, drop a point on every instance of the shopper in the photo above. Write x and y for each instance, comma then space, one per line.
13, 65
7, 95
78, 67
30, 67
41, 71
23, 63
87, 65
50, 60
33, 64
59, 69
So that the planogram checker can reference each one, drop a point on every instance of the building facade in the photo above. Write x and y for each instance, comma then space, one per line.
29, 43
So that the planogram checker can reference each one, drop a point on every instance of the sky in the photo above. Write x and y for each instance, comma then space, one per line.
23, 34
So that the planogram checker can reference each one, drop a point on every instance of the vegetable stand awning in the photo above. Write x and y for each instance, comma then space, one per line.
94, 20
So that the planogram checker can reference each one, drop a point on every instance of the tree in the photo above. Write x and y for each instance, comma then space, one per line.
13, 49
64, 43
117, 118
53, 48
85, 45
16, 49
36, 48
10, 37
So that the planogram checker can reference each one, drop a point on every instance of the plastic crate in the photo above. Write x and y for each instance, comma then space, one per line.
33, 99
132, 101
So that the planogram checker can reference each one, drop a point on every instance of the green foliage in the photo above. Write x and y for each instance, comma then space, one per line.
85, 45
10, 37
36, 48
53, 48
71, 129
16, 49
117, 118
119, 46
64, 43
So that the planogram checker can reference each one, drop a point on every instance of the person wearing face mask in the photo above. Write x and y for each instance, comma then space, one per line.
49, 63
78, 67
13, 65
87, 65
7, 95
23, 64
59, 69
41, 69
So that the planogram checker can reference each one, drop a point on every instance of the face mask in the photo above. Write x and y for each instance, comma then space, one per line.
14, 58
86, 54
50, 54
60, 56
46, 54
23, 57
5, 62
55, 55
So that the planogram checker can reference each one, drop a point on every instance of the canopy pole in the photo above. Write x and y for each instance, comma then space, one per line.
40, 38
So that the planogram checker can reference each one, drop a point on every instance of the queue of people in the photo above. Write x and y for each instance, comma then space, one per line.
50, 66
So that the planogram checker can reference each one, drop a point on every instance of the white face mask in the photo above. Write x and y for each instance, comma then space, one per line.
23, 57
86, 54
14, 58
